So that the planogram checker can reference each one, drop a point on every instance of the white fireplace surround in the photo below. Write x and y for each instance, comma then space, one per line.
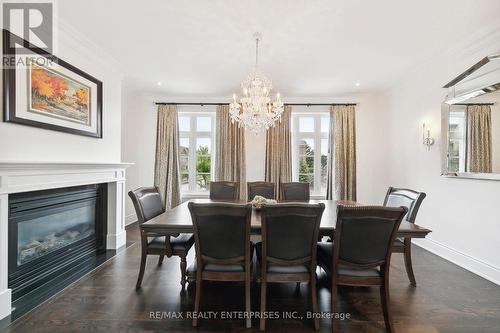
17, 177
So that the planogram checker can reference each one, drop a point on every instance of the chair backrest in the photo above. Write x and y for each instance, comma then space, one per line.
221, 231
148, 203
397, 197
228, 191
295, 191
264, 189
290, 232
364, 234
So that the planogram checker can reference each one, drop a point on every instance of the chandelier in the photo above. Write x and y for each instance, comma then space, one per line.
255, 110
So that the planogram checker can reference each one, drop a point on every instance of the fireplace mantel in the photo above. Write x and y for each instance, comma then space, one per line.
17, 177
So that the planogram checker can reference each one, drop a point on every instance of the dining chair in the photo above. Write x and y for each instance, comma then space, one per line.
361, 251
264, 189
227, 191
148, 203
295, 191
412, 200
288, 249
222, 244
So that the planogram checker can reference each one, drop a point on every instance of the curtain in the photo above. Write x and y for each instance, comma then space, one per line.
278, 152
341, 183
479, 138
167, 155
230, 152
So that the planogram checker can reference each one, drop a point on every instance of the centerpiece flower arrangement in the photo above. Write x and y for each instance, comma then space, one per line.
258, 201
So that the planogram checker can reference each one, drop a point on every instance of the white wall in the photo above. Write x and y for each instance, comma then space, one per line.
139, 135
462, 213
25, 143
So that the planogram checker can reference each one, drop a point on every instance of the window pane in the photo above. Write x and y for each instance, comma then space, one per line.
306, 164
306, 147
306, 124
325, 124
203, 181
203, 164
203, 146
203, 124
184, 164
184, 182
324, 164
184, 124
184, 146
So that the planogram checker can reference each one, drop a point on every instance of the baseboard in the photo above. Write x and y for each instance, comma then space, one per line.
129, 219
463, 260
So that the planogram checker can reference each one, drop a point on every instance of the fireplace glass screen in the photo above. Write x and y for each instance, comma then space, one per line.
42, 235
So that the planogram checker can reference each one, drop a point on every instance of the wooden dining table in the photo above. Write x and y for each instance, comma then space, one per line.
178, 220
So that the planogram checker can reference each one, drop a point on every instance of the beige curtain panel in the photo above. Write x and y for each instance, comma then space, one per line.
167, 155
230, 152
343, 146
479, 138
278, 152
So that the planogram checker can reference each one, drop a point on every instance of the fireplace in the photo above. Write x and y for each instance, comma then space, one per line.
53, 234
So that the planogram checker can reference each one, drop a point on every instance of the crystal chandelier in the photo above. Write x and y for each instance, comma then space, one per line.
255, 111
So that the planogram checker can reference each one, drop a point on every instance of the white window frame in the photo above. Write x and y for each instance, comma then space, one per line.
316, 136
193, 135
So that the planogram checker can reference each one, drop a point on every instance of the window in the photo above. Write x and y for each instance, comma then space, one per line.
196, 149
456, 143
310, 149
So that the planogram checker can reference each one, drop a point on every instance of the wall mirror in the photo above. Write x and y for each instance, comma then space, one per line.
471, 122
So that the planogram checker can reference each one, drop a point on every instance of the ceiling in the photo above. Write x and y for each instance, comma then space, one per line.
313, 48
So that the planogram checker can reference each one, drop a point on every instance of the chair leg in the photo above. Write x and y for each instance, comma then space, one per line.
314, 301
263, 295
160, 260
142, 268
183, 271
197, 299
384, 295
248, 308
408, 264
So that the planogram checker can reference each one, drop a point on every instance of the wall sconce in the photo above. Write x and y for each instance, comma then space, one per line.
426, 136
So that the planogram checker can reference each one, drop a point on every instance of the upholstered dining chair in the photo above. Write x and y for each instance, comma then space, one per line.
295, 191
224, 191
412, 200
264, 189
223, 249
361, 251
288, 249
148, 203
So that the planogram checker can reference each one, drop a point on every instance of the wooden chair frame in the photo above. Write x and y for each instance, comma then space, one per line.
146, 250
304, 186
383, 280
201, 260
310, 261
412, 215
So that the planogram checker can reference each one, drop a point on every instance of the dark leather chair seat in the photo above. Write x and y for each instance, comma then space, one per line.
280, 269
367, 272
215, 268
182, 242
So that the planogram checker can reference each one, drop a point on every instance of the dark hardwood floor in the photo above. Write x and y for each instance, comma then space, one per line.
447, 299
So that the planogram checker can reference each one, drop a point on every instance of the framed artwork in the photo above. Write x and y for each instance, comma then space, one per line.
44, 91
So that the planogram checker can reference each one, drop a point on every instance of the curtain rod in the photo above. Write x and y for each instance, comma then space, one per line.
473, 104
291, 104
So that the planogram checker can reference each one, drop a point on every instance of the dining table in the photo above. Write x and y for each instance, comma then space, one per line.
178, 220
